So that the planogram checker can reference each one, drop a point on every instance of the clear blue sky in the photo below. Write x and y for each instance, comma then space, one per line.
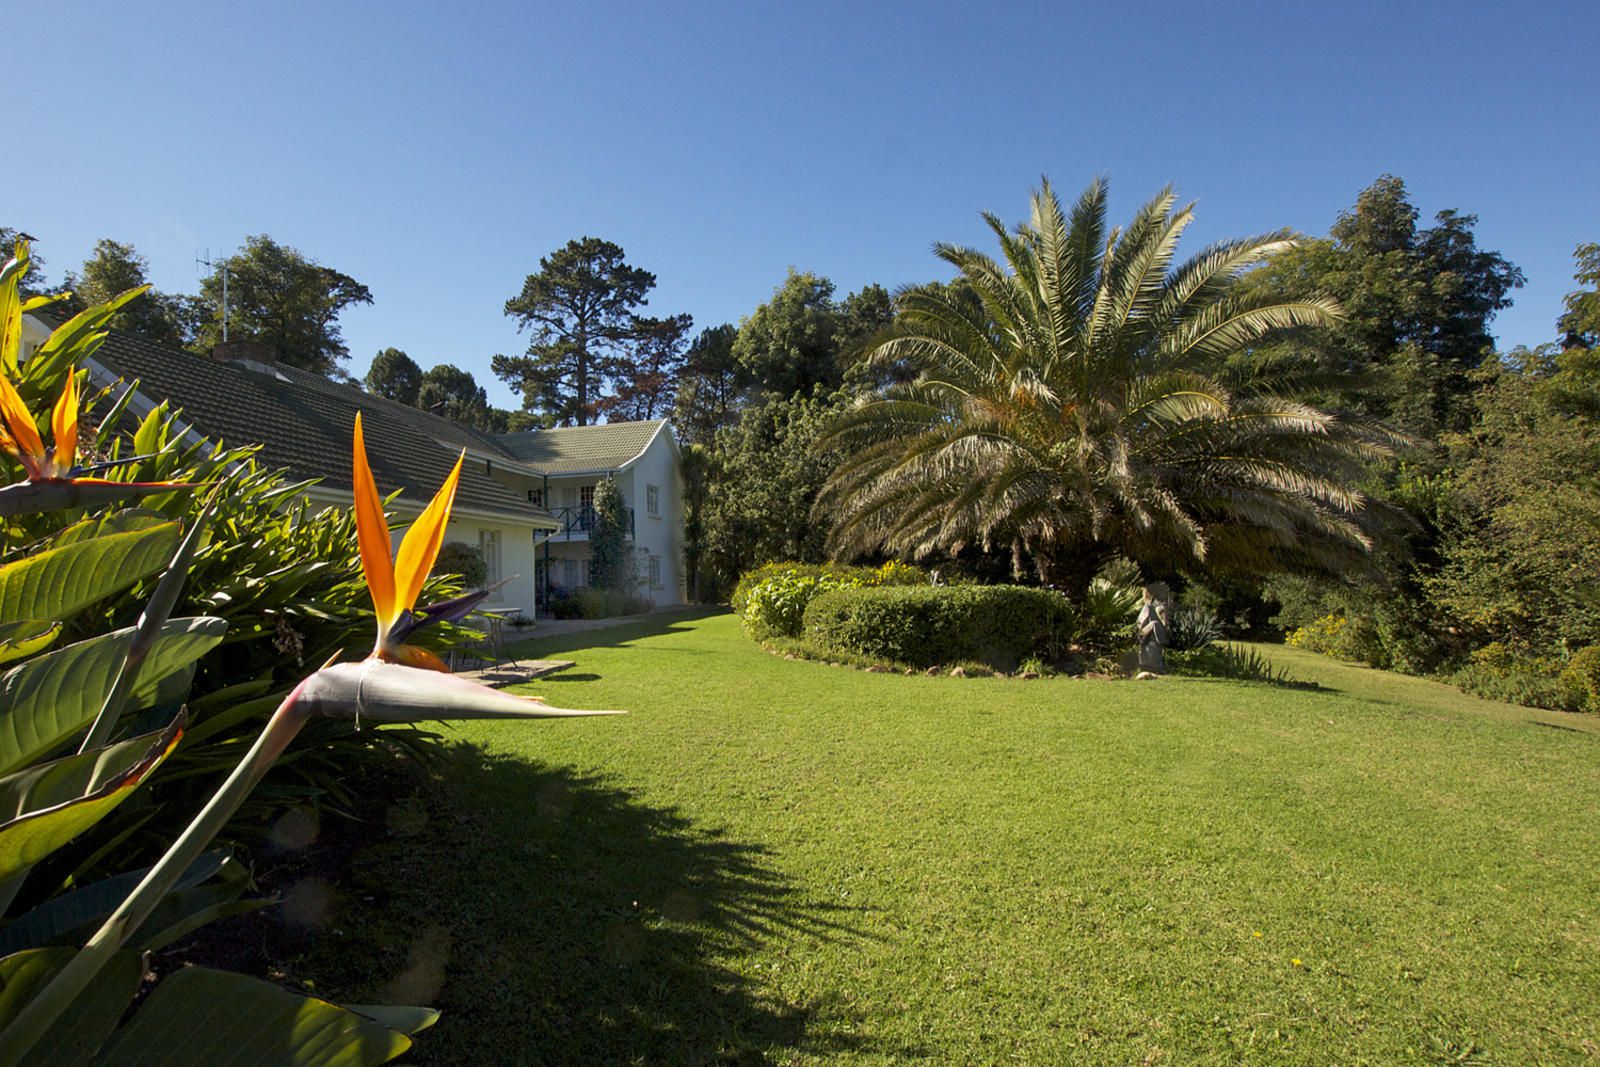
435, 152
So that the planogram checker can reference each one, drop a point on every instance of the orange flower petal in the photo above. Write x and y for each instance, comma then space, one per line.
372, 533
422, 542
19, 420
413, 656
64, 424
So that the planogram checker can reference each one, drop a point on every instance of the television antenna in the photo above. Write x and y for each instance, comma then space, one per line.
209, 265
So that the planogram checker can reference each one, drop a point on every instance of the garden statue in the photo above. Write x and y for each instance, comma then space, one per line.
1152, 626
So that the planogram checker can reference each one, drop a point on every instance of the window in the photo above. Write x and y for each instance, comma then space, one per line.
655, 569
586, 497
536, 497
489, 545
569, 573
652, 500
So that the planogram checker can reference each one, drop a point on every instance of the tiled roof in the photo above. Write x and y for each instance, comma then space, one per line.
302, 421
572, 449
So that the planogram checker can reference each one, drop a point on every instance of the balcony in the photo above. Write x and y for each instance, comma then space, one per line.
576, 523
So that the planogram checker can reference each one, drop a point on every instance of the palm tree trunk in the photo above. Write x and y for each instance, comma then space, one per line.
1070, 568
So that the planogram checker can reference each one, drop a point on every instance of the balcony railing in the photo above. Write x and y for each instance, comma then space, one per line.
580, 523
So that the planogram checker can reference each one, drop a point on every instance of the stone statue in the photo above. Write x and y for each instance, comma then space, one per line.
1152, 624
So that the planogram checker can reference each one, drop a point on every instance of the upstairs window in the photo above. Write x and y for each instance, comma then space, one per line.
536, 497
652, 500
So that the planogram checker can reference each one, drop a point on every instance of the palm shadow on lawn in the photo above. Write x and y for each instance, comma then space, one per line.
555, 919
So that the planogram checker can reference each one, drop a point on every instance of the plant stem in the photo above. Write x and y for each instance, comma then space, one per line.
36, 1018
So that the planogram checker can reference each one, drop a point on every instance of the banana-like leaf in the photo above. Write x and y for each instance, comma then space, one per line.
19, 640
71, 917
59, 582
32, 498
248, 1023
125, 520
77, 337
46, 700
44, 807
77, 1035
405, 1018
183, 912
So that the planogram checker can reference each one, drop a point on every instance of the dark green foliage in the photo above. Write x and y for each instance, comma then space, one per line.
1580, 323
1516, 676
999, 625
452, 393
465, 562
115, 268
1580, 680
579, 307
762, 479
1417, 304
282, 299
614, 568
1229, 661
598, 604
709, 386
1191, 629
395, 375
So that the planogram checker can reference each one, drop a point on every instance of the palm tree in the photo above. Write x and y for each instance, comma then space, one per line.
1087, 399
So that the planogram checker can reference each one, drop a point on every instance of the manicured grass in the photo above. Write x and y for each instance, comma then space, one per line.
783, 861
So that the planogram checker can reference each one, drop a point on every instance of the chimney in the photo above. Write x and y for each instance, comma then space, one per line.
243, 352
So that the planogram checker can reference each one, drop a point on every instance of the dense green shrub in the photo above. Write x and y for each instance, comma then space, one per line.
594, 603
1580, 680
465, 562
1515, 675
777, 606
741, 592
999, 625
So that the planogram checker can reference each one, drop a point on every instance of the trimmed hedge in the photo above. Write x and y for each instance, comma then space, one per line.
924, 626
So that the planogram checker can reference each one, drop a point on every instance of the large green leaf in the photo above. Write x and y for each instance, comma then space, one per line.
125, 520
58, 582
46, 700
44, 807
71, 917
77, 1035
199, 1017
18, 640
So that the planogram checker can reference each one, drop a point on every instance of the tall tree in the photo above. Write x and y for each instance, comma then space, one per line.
284, 300
1580, 322
453, 393
790, 344
115, 267
646, 383
708, 386
1417, 304
1092, 403
395, 375
579, 308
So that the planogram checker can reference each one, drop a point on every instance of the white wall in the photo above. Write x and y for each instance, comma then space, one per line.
660, 535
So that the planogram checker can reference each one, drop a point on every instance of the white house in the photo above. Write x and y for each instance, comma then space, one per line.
521, 499
643, 458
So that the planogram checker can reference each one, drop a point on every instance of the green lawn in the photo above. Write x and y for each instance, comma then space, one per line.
781, 861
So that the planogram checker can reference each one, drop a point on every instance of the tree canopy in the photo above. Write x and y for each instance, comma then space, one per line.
1417, 306
395, 375
579, 307
282, 299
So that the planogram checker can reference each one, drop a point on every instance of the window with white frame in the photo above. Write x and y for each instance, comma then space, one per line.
586, 497
489, 545
652, 500
655, 571
536, 497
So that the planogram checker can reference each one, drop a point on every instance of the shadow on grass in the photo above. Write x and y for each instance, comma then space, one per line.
537, 646
555, 919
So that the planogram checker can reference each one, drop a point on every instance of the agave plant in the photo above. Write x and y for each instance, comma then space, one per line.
1089, 397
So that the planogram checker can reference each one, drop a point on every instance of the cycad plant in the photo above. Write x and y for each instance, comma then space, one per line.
1085, 397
